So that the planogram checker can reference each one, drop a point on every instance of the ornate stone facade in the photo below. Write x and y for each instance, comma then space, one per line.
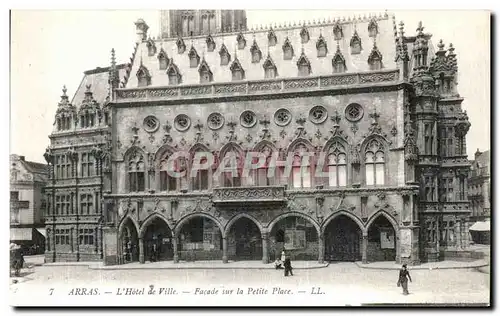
372, 131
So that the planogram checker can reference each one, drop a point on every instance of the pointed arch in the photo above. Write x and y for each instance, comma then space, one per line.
338, 34
143, 76
133, 150
336, 214
256, 52
375, 58
303, 65
162, 150
375, 158
163, 59
384, 213
194, 58
304, 35
198, 147
174, 74
355, 43
270, 69
151, 47
240, 39
225, 56
238, 73
210, 43
123, 222
321, 46
287, 49
300, 141
338, 62
264, 143
271, 38
372, 28
332, 140
183, 220
231, 146
293, 214
181, 46
148, 220
235, 218
206, 74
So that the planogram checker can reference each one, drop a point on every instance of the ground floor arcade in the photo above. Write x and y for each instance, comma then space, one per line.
202, 237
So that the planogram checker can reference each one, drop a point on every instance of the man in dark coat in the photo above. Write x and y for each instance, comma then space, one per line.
404, 275
288, 266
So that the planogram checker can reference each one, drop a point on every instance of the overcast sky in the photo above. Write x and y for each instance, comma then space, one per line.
50, 49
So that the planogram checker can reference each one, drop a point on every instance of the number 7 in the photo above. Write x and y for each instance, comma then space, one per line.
51, 291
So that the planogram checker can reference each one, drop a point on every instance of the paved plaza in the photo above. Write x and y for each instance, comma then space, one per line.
341, 283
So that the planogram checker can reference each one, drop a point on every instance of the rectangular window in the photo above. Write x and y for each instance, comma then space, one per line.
173, 79
200, 181
303, 70
370, 174
86, 237
270, 73
379, 174
332, 176
14, 195
237, 75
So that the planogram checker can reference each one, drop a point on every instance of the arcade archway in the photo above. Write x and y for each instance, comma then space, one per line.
129, 242
200, 238
297, 235
381, 240
158, 242
343, 239
244, 240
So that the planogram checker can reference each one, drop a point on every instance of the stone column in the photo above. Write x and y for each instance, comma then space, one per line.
321, 248
175, 240
364, 248
141, 250
224, 249
265, 250
458, 235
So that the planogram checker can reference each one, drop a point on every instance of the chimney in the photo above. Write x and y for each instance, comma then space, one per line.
141, 30
477, 154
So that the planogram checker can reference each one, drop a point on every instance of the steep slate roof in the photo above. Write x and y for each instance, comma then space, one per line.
385, 41
98, 79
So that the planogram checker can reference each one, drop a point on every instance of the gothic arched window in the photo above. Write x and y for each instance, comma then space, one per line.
374, 163
201, 179
136, 172
143, 77
231, 177
355, 44
337, 166
261, 173
167, 181
163, 59
301, 175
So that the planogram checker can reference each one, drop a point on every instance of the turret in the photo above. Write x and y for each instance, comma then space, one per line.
141, 30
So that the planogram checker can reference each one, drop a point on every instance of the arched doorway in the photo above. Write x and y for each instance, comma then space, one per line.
343, 238
200, 238
244, 240
297, 235
158, 242
381, 240
129, 242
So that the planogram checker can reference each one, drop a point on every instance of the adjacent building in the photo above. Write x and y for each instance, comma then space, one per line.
479, 197
27, 203
377, 108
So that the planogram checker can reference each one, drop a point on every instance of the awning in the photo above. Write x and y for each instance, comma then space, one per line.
21, 234
42, 231
481, 226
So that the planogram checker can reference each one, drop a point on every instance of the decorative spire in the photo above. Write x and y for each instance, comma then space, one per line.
441, 45
113, 59
401, 29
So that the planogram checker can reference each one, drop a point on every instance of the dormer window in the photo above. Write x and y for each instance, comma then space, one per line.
372, 28
210, 43
163, 59
271, 38
256, 53
237, 71
225, 57
270, 70
151, 47
375, 59
242, 42
287, 50
181, 47
303, 65
355, 44
304, 35
338, 62
174, 75
194, 58
337, 32
206, 75
321, 46
143, 77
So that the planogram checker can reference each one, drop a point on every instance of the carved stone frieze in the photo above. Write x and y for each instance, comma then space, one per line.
249, 194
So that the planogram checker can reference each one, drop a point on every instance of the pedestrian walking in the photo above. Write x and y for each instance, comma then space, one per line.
404, 276
288, 266
283, 256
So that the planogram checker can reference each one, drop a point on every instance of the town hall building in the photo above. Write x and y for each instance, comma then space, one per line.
377, 106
